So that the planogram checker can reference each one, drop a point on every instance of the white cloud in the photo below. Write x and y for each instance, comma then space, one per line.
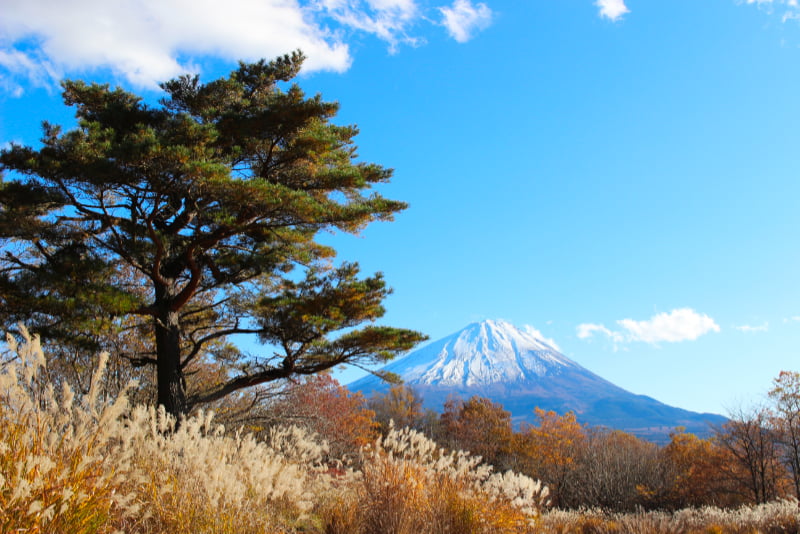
463, 18
142, 40
612, 9
750, 329
20, 65
147, 41
767, 3
682, 324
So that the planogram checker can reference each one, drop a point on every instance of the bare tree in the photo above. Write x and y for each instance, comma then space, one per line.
751, 439
617, 471
786, 396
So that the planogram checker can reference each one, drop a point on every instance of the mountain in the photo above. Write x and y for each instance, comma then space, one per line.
520, 370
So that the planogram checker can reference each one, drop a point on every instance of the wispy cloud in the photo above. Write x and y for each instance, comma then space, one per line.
588, 330
463, 19
768, 3
389, 20
612, 9
20, 65
538, 334
146, 41
751, 329
789, 9
682, 324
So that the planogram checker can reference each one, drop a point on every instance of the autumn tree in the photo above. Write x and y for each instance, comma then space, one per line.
400, 404
323, 406
750, 439
692, 468
196, 220
785, 395
551, 451
617, 471
479, 426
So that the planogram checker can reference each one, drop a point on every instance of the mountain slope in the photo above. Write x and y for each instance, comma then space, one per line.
521, 370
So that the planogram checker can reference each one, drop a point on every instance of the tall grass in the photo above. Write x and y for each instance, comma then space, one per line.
771, 518
63, 467
92, 464
196, 479
86, 465
408, 485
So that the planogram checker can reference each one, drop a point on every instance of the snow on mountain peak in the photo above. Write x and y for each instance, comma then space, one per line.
483, 353
521, 370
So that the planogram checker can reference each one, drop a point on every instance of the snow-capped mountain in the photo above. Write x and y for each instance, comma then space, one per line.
520, 369
482, 354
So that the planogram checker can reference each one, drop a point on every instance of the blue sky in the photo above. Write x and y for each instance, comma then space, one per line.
621, 175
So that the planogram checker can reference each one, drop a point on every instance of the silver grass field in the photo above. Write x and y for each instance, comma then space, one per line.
90, 463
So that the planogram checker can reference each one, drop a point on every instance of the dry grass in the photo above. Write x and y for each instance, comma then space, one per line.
87, 464
61, 467
772, 518
410, 486
196, 479
82, 465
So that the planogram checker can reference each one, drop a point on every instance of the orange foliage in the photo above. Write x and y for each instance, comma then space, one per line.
694, 466
785, 395
551, 449
400, 404
479, 426
337, 415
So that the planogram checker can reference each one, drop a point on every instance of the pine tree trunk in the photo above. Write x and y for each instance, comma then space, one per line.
171, 388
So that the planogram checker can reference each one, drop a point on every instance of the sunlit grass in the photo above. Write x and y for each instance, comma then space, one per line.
771, 518
88, 464
408, 485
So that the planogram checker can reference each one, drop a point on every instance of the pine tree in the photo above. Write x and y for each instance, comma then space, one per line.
197, 218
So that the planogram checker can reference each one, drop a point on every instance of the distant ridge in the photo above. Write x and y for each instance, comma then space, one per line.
519, 369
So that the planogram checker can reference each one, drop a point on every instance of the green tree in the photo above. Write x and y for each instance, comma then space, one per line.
197, 219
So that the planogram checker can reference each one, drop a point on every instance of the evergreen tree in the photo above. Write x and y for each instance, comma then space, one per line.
197, 219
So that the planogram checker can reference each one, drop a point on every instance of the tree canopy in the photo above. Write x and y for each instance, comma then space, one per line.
195, 220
